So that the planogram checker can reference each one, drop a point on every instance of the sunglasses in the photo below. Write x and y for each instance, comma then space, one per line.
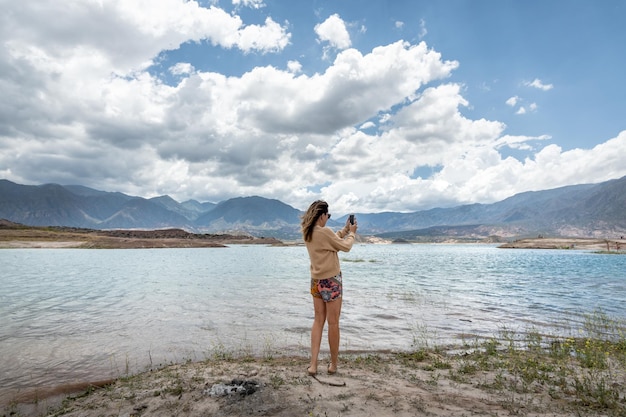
328, 214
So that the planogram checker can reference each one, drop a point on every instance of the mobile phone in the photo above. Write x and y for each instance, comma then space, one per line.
352, 219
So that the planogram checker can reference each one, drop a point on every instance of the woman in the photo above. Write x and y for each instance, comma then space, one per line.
326, 287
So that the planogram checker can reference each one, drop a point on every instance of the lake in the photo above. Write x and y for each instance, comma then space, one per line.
74, 315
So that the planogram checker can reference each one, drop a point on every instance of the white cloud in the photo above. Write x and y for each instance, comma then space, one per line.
254, 4
537, 83
515, 100
519, 142
333, 30
532, 107
182, 68
512, 101
423, 31
399, 24
268, 38
117, 38
294, 67
78, 104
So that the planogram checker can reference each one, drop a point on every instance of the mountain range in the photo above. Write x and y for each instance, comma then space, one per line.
586, 210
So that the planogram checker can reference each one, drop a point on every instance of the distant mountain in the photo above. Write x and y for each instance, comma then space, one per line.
197, 207
42, 205
588, 210
78, 206
254, 215
189, 210
139, 213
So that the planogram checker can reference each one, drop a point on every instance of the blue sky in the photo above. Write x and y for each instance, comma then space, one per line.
372, 105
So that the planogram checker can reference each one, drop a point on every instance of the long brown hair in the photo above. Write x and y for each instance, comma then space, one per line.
309, 219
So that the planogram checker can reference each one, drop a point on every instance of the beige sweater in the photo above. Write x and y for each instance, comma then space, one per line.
323, 249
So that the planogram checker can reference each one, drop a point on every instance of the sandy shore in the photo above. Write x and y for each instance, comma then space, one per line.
608, 245
17, 236
429, 383
14, 235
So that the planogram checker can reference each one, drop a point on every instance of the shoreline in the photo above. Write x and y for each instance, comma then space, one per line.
481, 378
607, 245
13, 236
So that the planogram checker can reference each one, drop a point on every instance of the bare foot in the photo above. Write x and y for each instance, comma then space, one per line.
332, 368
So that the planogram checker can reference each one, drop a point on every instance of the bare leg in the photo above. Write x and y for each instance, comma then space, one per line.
316, 331
333, 311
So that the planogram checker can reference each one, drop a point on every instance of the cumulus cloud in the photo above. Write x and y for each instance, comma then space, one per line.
349, 92
333, 30
79, 103
294, 67
128, 35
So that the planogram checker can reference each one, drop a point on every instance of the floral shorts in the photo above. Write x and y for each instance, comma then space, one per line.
328, 289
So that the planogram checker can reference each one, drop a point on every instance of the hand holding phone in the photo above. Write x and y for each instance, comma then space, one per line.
351, 224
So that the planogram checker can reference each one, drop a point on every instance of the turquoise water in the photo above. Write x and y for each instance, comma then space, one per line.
73, 315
